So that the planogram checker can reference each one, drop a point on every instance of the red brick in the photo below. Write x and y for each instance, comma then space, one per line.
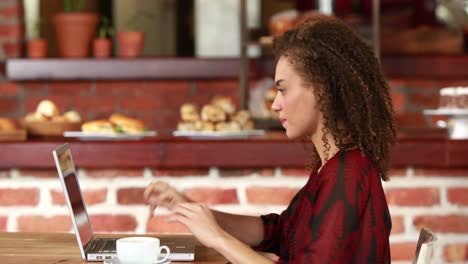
397, 172
458, 196
453, 83
443, 224
424, 100
398, 225
118, 88
143, 103
105, 105
456, 252
71, 88
38, 173
180, 172
19, 197
440, 172
166, 89
112, 173
298, 172
11, 11
236, 172
164, 121
35, 88
130, 196
113, 223
270, 195
4, 174
213, 195
61, 101
3, 224
399, 101
413, 197
267, 172
12, 49
402, 251
91, 197
206, 90
159, 224
396, 83
36, 223
422, 83
410, 120
9, 105
8, 88
11, 31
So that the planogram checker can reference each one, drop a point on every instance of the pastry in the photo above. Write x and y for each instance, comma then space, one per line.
126, 124
7, 124
72, 116
98, 126
213, 113
189, 112
225, 103
47, 109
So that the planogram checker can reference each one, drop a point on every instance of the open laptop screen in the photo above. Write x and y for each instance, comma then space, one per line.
72, 187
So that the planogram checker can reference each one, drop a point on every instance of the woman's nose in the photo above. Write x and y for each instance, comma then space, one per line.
276, 106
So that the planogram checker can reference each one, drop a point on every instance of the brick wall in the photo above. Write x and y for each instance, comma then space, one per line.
32, 200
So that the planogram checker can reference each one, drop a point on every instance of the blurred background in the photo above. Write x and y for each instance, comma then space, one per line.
147, 59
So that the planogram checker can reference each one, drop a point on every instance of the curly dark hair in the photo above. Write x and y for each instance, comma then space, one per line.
352, 93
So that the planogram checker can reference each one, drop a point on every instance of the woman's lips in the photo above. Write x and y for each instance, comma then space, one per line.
283, 121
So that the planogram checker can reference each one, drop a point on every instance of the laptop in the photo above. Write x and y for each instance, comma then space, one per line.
99, 249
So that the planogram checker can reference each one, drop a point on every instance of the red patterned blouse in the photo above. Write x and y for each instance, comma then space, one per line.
339, 216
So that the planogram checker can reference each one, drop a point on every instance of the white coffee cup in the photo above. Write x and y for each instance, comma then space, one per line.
141, 250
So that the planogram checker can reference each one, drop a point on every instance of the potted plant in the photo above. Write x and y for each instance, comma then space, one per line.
131, 42
37, 46
102, 44
74, 29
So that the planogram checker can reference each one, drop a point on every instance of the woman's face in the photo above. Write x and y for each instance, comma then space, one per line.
295, 102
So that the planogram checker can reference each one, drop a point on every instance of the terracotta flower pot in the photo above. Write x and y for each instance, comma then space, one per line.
102, 48
74, 33
37, 48
130, 43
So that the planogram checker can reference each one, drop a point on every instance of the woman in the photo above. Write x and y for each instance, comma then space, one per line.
330, 91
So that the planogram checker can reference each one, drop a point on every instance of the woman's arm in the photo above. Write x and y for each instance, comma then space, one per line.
248, 229
202, 223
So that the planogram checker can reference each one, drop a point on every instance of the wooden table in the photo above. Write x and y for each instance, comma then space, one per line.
41, 248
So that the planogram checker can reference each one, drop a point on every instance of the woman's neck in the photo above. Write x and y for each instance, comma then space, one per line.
323, 151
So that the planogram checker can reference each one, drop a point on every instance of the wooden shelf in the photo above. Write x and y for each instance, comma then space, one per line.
395, 66
118, 69
272, 150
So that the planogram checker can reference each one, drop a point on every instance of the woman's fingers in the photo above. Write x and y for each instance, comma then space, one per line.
156, 188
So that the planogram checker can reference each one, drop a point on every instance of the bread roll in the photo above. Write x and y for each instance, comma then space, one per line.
228, 126
208, 126
189, 112
72, 116
242, 117
98, 126
186, 126
47, 109
127, 124
225, 103
213, 113
7, 125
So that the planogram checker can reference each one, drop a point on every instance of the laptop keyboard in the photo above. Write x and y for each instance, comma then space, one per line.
105, 246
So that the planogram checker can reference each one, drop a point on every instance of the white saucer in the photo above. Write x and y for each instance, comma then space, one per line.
117, 261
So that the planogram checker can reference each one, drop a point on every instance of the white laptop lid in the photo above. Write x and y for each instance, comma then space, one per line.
71, 188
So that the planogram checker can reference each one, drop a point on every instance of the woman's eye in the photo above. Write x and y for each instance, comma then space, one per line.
281, 90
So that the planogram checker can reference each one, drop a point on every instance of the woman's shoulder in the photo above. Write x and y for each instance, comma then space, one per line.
351, 163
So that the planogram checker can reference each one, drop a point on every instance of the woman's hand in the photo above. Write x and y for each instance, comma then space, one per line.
162, 194
201, 222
